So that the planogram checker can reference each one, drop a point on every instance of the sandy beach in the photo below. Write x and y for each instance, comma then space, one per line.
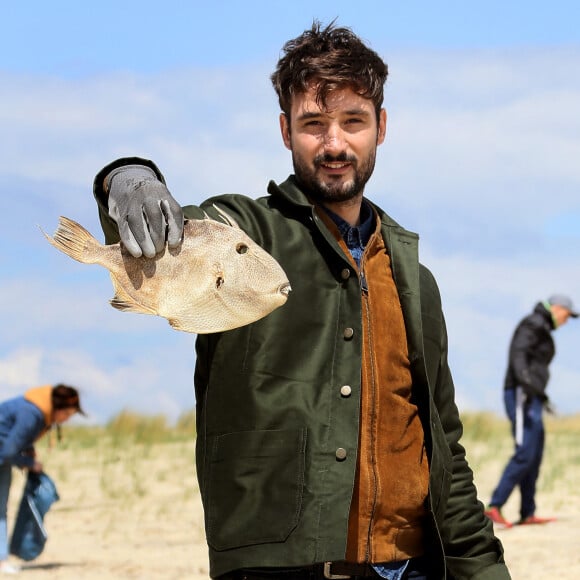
134, 512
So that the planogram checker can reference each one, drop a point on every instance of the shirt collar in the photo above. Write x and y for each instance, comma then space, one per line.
359, 235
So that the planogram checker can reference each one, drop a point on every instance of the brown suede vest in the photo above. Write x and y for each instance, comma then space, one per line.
387, 510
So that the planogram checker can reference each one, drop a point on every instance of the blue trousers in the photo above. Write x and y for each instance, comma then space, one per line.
523, 468
5, 480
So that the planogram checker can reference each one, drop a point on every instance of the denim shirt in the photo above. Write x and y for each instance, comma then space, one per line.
356, 239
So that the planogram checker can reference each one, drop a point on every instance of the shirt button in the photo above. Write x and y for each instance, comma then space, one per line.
348, 333
345, 390
345, 274
340, 454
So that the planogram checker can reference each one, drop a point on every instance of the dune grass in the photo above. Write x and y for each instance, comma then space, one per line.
124, 454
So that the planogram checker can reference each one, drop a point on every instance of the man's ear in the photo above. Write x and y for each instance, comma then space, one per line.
382, 129
285, 130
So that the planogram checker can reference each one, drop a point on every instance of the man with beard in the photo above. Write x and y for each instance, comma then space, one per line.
328, 435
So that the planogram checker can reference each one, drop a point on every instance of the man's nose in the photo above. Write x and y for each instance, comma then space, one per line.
334, 139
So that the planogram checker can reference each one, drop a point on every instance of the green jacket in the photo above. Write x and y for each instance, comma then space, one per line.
270, 415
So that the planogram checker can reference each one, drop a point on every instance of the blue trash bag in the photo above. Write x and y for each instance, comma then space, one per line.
29, 536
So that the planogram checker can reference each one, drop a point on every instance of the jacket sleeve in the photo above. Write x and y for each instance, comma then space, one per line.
17, 447
471, 549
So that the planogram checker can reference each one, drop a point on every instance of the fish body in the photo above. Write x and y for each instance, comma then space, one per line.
216, 280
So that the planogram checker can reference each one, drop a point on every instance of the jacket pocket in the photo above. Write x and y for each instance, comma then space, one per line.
254, 487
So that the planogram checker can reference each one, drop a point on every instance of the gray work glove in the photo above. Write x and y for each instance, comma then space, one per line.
146, 213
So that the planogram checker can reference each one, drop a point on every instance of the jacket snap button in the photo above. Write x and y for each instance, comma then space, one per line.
345, 274
345, 391
340, 454
348, 333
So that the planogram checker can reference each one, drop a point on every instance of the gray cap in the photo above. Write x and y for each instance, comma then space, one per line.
564, 302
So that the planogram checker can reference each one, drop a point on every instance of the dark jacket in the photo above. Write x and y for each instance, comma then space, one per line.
530, 353
270, 416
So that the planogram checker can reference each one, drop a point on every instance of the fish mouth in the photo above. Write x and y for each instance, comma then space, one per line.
285, 289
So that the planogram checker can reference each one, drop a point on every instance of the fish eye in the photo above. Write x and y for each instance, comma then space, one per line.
241, 248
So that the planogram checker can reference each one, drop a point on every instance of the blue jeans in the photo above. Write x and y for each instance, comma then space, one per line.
523, 468
5, 481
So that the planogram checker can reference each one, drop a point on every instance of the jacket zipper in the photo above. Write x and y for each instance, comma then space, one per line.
363, 283
371, 408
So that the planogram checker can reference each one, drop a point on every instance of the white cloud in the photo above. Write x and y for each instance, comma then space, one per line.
480, 129
20, 369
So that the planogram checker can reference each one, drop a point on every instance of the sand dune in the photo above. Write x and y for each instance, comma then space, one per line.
135, 512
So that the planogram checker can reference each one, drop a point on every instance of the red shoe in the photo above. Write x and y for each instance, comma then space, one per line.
534, 520
494, 514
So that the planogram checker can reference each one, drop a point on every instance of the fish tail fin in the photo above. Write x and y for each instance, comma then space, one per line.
72, 239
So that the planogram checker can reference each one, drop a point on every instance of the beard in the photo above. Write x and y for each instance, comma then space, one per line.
333, 189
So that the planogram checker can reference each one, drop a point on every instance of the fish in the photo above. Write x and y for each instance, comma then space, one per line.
218, 279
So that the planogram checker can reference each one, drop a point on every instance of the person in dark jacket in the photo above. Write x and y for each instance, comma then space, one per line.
23, 420
328, 434
530, 353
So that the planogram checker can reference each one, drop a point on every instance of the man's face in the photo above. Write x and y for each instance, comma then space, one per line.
560, 314
333, 149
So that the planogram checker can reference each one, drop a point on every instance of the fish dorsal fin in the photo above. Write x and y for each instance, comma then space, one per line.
228, 219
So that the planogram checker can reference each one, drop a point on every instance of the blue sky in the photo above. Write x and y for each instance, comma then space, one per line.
481, 159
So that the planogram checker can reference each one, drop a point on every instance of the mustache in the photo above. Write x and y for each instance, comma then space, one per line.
340, 158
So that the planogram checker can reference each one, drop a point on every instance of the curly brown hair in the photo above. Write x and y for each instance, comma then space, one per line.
331, 58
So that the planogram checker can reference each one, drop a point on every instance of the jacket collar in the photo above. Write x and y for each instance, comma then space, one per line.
290, 191
544, 310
